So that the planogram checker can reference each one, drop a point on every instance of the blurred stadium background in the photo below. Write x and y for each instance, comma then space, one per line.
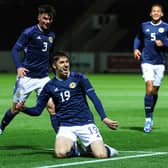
97, 34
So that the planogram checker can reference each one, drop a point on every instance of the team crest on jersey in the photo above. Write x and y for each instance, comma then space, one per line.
50, 39
161, 30
72, 85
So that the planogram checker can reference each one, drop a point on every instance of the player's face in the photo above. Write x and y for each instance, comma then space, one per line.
62, 67
45, 21
156, 13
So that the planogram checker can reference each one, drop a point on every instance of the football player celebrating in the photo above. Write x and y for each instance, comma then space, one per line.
73, 118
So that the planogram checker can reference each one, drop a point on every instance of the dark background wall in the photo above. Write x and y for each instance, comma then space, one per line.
18, 14
131, 13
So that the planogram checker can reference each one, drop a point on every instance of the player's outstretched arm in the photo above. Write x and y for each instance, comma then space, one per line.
111, 123
39, 107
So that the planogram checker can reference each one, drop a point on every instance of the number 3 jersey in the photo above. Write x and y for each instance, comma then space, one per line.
37, 45
145, 41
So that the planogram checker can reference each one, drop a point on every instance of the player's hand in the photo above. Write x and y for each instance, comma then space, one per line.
21, 72
111, 123
159, 43
137, 54
20, 106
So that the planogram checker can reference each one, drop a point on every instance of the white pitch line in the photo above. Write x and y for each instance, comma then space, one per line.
104, 160
137, 152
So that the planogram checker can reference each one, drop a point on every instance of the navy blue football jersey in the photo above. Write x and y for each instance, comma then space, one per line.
145, 41
69, 96
37, 45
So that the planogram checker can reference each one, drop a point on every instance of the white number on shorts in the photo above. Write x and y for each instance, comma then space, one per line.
93, 130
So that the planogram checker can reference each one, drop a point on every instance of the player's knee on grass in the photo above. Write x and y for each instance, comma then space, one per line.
63, 147
61, 153
98, 149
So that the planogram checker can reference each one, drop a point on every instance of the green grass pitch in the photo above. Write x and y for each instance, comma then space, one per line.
28, 141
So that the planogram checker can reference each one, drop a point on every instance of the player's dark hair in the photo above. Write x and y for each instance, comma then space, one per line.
159, 5
50, 10
56, 56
